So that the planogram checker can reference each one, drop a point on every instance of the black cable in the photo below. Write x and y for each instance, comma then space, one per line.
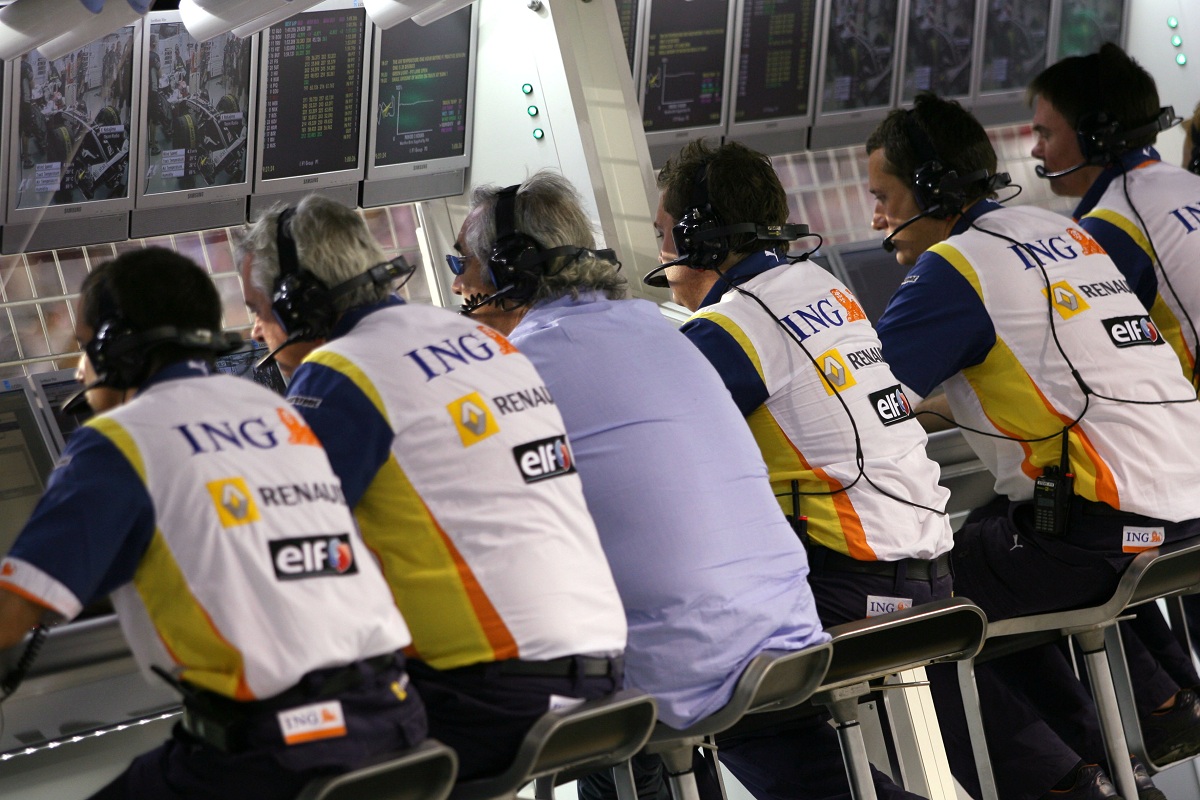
11, 681
859, 457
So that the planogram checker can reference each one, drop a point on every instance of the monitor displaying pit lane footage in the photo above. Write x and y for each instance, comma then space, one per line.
196, 114
939, 48
1084, 25
70, 142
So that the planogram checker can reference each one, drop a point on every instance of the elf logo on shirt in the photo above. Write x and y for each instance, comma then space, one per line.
233, 501
545, 458
312, 556
1067, 302
472, 419
891, 406
1132, 331
835, 375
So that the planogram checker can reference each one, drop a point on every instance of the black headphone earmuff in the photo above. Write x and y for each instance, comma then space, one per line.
1194, 164
1102, 139
937, 190
301, 301
700, 252
516, 257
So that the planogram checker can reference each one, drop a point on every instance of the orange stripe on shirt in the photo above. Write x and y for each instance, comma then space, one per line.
499, 637
22, 593
848, 519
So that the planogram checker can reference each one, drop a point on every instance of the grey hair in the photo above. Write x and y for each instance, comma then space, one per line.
548, 210
332, 242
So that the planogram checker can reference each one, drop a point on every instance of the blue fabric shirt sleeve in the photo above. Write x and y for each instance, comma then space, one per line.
1129, 257
94, 521
934, 326
731, 361
356, 436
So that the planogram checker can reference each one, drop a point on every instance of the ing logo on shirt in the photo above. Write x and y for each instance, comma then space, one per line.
233, 501
836, 375
472, 419
1067, 302
298, 431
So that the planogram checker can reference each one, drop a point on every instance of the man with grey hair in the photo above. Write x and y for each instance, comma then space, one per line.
474, 511
709, 570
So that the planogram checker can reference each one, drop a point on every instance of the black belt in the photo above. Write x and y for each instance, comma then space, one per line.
565, 667
917, 569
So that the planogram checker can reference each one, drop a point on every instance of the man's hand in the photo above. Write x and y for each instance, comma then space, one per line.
17, 616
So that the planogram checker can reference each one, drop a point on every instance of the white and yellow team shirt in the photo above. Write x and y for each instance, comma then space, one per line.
1146, 215
976, 313
456, 462
209, 510
800, 408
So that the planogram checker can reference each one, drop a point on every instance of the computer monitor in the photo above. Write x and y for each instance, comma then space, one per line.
1016, 39
774, 64
312, 100
1084, 25
73, 127
870, 272
53, 390
25, 458
857, 81
423, 95
685, 74
241, 363
629, 15
196, 119
939, 49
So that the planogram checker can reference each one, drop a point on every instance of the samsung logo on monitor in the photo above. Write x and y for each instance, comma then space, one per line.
312, 180
193, 195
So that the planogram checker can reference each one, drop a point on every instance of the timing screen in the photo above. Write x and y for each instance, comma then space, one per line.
685, 64
314, 93
422, 98
774, 59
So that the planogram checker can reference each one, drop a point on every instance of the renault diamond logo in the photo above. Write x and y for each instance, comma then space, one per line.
472, 418
836, 375
1067, 301
233, 501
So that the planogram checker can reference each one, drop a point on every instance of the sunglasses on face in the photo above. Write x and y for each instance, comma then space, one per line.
457, 264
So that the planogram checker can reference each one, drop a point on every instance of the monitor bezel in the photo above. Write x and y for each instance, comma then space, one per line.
87, 208
24, 385
199, 194
429, 166
1007, 106
665, 142
318, 180
778, 125
832, 127
1054, 50
39, 381
639, 39
967, 97
6, 111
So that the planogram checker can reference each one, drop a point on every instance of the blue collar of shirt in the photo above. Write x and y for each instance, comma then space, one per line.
973, 213
354, 315
192, 368
750, 266
1129, 161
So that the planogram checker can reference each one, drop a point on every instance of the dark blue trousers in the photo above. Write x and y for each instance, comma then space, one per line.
378, 722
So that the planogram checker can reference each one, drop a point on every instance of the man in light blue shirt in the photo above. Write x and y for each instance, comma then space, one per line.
707, 567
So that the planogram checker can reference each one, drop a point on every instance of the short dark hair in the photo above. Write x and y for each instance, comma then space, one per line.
152, 288
742, 187
960, 142
1107, 81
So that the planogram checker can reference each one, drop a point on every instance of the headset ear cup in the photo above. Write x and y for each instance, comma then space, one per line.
701, 252
303, 306
1099, 137
115, 356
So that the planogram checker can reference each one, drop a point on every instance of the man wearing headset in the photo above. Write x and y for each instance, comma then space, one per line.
845, 457
165, 500
1050, 377
476, 515
709, 571
1096, 118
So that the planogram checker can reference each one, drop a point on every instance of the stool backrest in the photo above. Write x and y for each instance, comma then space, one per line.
426, 772
588, 737
1172, 569
944, 630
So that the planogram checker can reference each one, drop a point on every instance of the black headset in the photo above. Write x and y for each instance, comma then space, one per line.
940, 192
1194, 165
120, 355
1102, 139
516, 257
701, 238
302, 302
